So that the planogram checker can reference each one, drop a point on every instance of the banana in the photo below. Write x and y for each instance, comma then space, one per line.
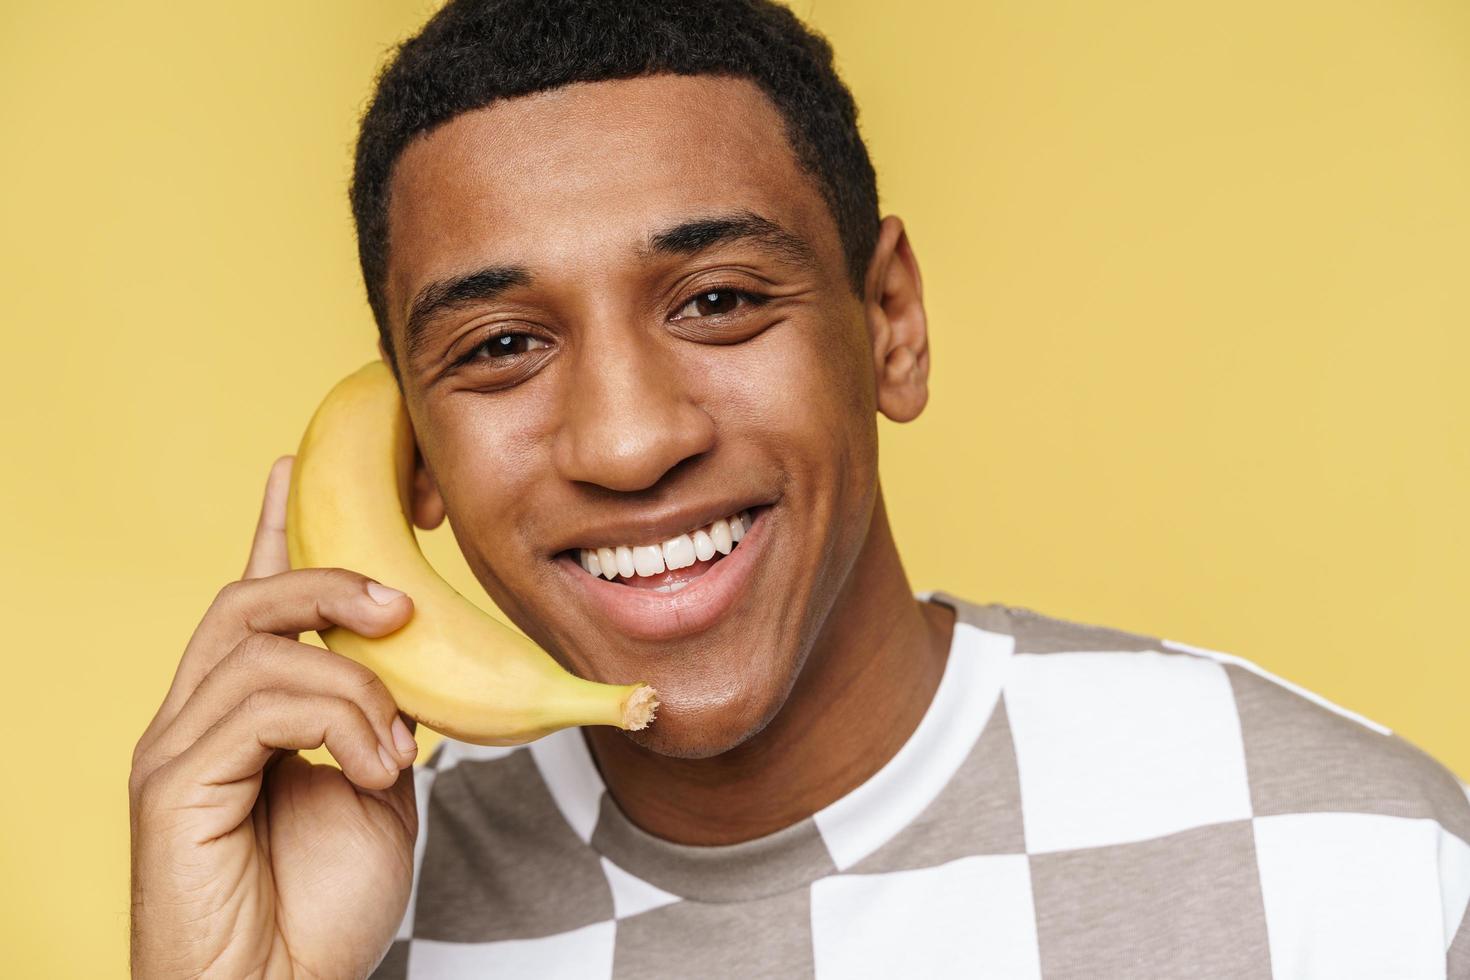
452, 667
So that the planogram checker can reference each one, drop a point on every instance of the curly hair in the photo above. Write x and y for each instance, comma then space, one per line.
474, 52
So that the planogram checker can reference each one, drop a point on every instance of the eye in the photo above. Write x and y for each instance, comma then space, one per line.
717, 301
504, 346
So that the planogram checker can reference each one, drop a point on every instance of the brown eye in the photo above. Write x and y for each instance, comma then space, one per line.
716, 302
506, 345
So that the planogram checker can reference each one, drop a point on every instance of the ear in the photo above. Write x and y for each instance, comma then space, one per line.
428, 503
894, 308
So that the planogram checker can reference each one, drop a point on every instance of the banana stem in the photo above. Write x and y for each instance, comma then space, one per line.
577, 701
638, 709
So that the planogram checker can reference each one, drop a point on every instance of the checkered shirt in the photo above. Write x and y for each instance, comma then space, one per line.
1077, 801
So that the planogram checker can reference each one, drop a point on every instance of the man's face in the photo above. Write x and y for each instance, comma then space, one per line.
638, 393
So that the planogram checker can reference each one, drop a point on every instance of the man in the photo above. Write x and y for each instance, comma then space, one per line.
626, 262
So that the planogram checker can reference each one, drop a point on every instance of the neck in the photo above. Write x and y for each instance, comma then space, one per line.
866, 683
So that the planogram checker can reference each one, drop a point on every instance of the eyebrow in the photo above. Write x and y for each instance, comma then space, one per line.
690, 237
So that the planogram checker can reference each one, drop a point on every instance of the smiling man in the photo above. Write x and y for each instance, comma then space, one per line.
628, 333
627, 264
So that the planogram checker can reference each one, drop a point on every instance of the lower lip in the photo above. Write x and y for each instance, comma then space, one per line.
644, 614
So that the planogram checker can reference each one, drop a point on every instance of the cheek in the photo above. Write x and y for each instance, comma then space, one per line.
474, 462
806, 385
486, 472
802, 401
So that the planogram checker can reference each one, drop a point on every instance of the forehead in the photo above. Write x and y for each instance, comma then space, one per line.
563, 179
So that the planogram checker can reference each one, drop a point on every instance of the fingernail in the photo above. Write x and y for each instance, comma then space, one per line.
388, 762
403, 739
381, 594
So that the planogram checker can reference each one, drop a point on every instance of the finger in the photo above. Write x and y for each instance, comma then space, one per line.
401, 796
268, 551
285, 603
216, 777
411, 726
263, 661
307, 599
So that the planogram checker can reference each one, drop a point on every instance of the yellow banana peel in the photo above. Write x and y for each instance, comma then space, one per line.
452, 667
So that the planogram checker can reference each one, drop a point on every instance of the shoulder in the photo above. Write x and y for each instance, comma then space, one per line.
1189, 789
1143, 699
1162, 754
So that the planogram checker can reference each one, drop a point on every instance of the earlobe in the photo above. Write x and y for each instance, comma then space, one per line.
428, 503
898, 325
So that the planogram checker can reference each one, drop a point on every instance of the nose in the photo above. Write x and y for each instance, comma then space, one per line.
631, 413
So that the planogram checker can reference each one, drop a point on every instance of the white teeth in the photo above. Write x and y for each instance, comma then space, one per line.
648, 559
678, 552
702, 544
719, 535
671, 587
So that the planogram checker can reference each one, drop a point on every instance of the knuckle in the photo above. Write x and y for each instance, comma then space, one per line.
263, 702
378, 702
137, 778
253, 651
343, 715
341, 708
228, 595
150, 789
139, 747
142, 767
143, 748
342, 578
365, 680
246, 666
144, 797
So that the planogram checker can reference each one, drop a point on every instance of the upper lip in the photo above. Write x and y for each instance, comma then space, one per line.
653, 527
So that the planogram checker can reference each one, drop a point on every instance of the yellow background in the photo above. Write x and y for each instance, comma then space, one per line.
1199, 288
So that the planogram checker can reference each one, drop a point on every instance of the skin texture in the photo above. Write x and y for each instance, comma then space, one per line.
626, 398
612, 406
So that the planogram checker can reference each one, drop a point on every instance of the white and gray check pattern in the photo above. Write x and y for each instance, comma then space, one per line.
1077, 802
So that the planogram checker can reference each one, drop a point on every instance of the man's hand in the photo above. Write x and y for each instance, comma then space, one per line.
247, 860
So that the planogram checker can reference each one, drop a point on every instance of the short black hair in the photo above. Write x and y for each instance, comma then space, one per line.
474, 52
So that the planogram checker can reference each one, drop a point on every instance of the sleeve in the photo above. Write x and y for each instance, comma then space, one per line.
1454, 873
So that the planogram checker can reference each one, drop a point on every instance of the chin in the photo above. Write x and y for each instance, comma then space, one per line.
702, 721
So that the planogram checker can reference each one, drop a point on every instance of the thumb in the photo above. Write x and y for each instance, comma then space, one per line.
268, 552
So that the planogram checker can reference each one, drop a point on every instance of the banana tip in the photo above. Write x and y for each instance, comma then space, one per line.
639, 709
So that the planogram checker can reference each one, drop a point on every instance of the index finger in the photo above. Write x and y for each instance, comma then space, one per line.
268, 551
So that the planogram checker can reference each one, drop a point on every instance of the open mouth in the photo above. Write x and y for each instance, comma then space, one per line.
658, 604
671, 565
